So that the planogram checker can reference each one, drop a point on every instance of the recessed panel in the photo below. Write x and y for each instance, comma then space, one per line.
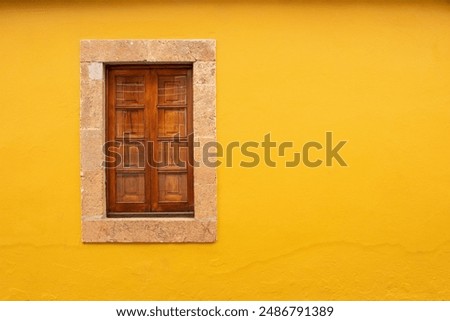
130, 123
132, 155
171, 122
172, 187
130, 187
172, 155
172, 90
129, 90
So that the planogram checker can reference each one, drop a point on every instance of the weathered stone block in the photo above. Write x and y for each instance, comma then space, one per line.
180, 50
113, 50
205, 201
148, 230
205, 73
91, 149
92, 196
91, 102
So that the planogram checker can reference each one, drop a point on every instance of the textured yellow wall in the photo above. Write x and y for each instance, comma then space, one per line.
375, 73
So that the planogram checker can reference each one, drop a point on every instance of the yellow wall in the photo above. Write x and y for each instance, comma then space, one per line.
375, 73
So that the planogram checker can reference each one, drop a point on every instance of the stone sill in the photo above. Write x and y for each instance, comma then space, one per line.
148, 230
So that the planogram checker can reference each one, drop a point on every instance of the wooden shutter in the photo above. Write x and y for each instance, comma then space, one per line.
149, 135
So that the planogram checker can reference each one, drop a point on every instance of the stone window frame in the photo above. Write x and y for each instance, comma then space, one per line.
94, 56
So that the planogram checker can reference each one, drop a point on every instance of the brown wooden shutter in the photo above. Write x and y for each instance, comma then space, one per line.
149, 134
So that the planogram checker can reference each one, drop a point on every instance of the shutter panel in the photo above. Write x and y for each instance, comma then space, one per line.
173, 179
127, 185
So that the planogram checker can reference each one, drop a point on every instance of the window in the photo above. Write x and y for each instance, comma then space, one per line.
149, 131
147, 103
